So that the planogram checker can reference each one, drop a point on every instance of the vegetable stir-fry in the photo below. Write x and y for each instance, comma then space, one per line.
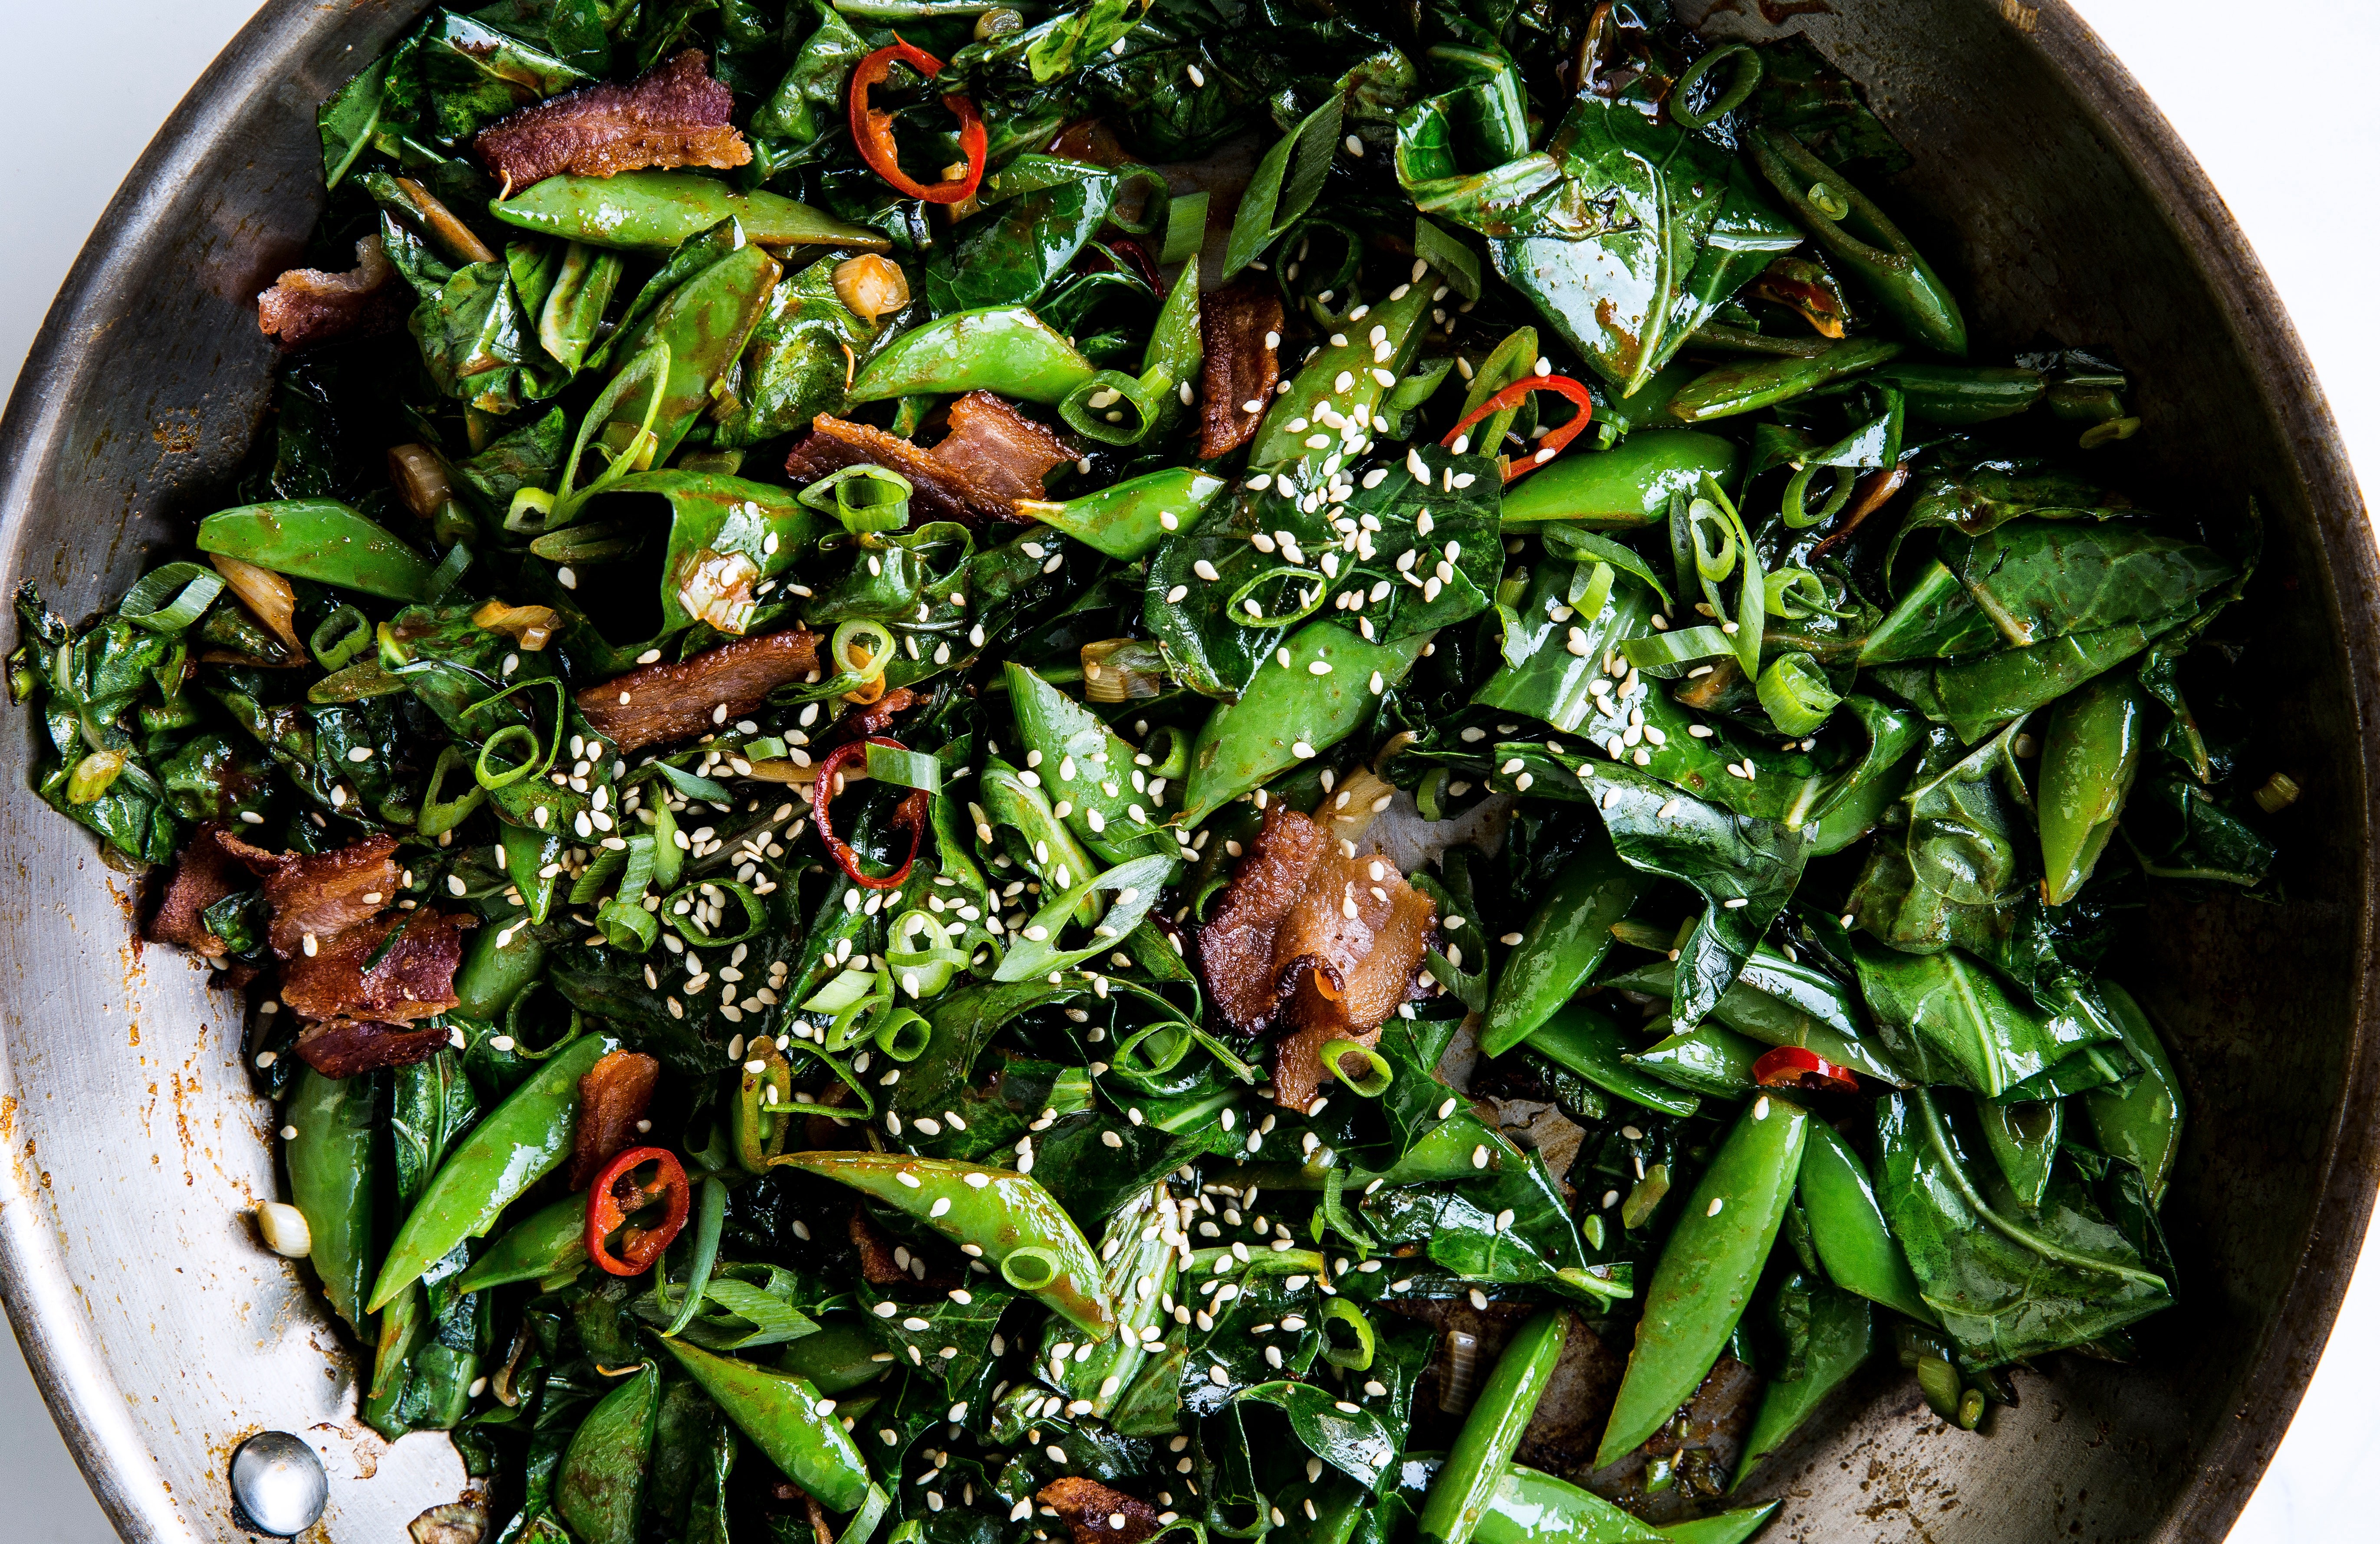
1167, 766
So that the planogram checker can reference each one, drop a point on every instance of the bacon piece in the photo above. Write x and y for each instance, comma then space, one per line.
204, 873
320, 895
1240, 367
345, 1047
659, 703
1303, 938
613, 1096
1095, 1514
307, 306
349, 977
877, 1265
675, 115
874, 718
993, 456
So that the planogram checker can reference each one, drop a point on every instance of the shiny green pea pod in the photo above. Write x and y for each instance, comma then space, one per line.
1722, 1527
547, 1243
656, 210
599, 1486
1533, 1507
1841, 1335
320, 539
1476, 1464
518, 1143
1751, 384
402, 1326
1564, 943
2141, 1126
1706, 1060
1345, 374
1001, 348
1623, 487
2090, 754
1590, 1045
1052, 847
573, 310
836, 1357
705, 321
1859, 238
332, 1172
1846, 1228
1959, 396
495, 974
780, 1413
1289, 714
1089, 766
1707, 1270
1129, 519
2024, 1137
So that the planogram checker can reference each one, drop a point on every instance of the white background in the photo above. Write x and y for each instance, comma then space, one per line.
2276, 98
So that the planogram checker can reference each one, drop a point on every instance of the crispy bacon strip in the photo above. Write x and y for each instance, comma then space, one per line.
350, 976
320, 895
664, 702
1095, 1514
673, 115
876, 1262
204, 873
613, 1096
993, 456
1240, 367
346, 1048
306, 306
1322, 942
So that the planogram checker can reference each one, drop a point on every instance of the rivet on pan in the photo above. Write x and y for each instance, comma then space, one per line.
277, 1484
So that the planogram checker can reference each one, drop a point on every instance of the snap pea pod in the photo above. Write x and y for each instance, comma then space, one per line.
1051, 845
1722, 1527
2024, 1137
1128, 519
705, 322
332, 1162
782, 1415
1858, 236
1591, 1046
1848, 1229
2142, 1125
599, 1486
550, 1241
1533, 1507
1623, 489
1706, 1060
1841, 1333
518, 1143
402, 1325
1707, 1270
1002, 348
1013, 1221
1112, 806
834, 1357
320, 539
1350, 374
656, 210
1289, 713
1565, 943
1961, 395
1751, 384
496, 970
2089, 756
1483, 1451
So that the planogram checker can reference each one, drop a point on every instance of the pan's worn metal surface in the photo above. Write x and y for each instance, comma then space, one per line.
164, 1333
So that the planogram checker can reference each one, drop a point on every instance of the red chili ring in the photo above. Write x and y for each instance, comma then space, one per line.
910, 816
1511, 396
607, 1210
871, 130
1793, 1067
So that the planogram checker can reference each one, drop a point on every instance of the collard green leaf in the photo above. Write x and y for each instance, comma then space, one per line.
803, 351
1959, 868
475, 75
798, 120
1352, 1440
431, 1103
1039, 212
1781, 1002
923, 1335
1949, 1020
1960, 490
2040, 579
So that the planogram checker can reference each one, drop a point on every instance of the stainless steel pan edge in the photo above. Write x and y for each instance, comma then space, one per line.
162, 1334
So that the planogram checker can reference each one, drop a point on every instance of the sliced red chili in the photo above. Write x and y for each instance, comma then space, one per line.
1792, 1067
620, 1193
1513, 396
910, 816
871, 127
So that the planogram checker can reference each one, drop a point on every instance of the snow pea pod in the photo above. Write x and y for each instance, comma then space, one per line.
1013, 1221
331, 1178
320, 539
496, 970
1858, 236
1841, 1333
2143, 1125
1707, 1270
1749, 384
1051, 845
781, 1414
654, 211
1563, 944
1128, 519
1591, 1046
549, 1242
521, 1142
834, 1357
1722, 1527
1111, 806
1706, 1060
1349, 377
1290, 714
705, 322
1534, 1507
1959, 395
599, 1486
1846, 1228
1002, 348
1483, 1451
2089, 756
1623, 487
